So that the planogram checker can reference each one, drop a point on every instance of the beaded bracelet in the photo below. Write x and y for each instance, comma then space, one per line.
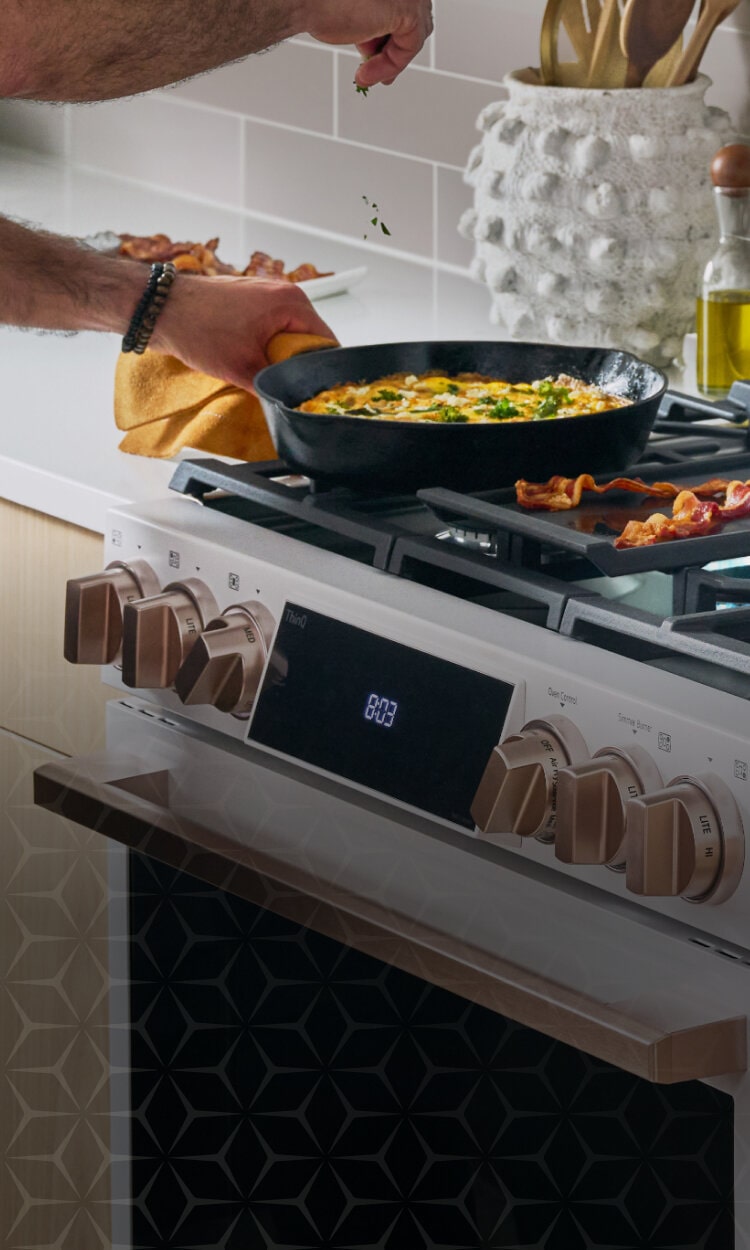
149, 306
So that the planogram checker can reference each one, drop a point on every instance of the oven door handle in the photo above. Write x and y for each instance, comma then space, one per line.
124, 801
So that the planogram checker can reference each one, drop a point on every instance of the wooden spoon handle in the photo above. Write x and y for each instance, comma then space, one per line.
581, 38
607, 62
548, 43
710, 18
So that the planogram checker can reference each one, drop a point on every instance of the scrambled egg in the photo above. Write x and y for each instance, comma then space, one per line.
465, 399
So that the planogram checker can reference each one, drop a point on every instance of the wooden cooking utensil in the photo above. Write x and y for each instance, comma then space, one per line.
660, 74
581, 29
713, 13
548, 42
608, 66
583, 21
649, 29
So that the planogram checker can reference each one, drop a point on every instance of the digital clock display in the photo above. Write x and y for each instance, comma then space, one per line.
378, 713
380, 710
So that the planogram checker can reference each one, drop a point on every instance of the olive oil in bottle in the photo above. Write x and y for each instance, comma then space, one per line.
724, 303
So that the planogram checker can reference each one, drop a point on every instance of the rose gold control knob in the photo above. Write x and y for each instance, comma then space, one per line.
226, 665
518, 792
685, 840
159, 632
591, 804
94, 607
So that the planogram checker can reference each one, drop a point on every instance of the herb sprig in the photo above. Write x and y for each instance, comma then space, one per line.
553, 398
375, 220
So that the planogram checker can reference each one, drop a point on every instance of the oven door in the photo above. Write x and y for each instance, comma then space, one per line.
345, 1022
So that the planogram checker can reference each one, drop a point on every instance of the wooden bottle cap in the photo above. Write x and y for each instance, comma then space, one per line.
730, 168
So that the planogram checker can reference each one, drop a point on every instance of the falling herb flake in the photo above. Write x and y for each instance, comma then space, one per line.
361, 90
375, 219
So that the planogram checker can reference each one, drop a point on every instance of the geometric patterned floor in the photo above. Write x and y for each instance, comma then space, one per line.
54, 1012
290, 1093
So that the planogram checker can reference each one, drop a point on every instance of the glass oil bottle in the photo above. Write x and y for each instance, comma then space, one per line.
724, 303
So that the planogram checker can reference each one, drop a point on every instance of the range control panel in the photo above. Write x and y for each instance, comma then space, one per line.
383, 715
630, 778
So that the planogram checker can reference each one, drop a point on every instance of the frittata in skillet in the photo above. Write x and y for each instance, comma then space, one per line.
467, 398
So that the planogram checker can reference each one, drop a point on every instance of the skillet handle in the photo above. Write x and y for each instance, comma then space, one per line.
678, 407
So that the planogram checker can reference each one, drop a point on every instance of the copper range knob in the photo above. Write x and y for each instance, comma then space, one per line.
592, 801
518, 792
94, 606
158, 633
226, 665
686, 840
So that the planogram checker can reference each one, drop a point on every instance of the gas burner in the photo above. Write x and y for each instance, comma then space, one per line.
469, 539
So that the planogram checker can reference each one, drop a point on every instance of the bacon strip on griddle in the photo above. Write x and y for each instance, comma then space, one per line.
697, 511
737, 501
690, 517
560, 494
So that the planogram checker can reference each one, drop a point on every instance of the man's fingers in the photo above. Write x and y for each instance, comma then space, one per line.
307, 321
371, 47
385, 66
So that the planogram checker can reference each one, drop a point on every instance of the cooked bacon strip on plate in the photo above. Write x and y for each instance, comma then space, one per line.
560, 494
201, 258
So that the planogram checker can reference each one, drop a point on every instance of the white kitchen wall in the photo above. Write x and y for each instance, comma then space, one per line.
285, 136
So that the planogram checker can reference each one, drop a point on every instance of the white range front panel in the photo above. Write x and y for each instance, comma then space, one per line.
686, 728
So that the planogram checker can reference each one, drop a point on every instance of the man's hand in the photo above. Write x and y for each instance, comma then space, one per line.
222, 326
387, 33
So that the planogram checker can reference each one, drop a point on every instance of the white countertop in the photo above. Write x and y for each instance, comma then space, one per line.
58, 451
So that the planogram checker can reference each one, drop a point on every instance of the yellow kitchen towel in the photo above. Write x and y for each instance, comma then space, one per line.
164, 406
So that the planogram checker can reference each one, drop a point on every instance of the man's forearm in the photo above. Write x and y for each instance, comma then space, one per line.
52, 283
101, 49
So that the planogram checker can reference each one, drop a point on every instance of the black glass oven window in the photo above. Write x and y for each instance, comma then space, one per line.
387, 716
290, 1093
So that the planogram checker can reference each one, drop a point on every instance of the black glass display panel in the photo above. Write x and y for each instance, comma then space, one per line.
406, 724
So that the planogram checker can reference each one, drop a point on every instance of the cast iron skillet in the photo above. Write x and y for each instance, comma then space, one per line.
374, 454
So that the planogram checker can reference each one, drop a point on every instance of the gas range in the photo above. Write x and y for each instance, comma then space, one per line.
508, 675
481, 745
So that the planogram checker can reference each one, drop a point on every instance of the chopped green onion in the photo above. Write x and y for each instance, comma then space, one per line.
502, 410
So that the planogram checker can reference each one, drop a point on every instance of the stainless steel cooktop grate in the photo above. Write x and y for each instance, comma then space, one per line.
666, 604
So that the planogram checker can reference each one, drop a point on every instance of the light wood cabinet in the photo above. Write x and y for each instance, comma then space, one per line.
54, 980
42, 697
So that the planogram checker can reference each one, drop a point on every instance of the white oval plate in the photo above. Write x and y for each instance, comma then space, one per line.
314, 288
334, 284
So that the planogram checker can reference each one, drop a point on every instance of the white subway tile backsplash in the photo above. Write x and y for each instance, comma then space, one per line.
486, 38
97, 205
453, 197
24, 176
321, 183
163, 142
284, 135
424, 114
38, 127
740, 19
291, 84
727, 62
